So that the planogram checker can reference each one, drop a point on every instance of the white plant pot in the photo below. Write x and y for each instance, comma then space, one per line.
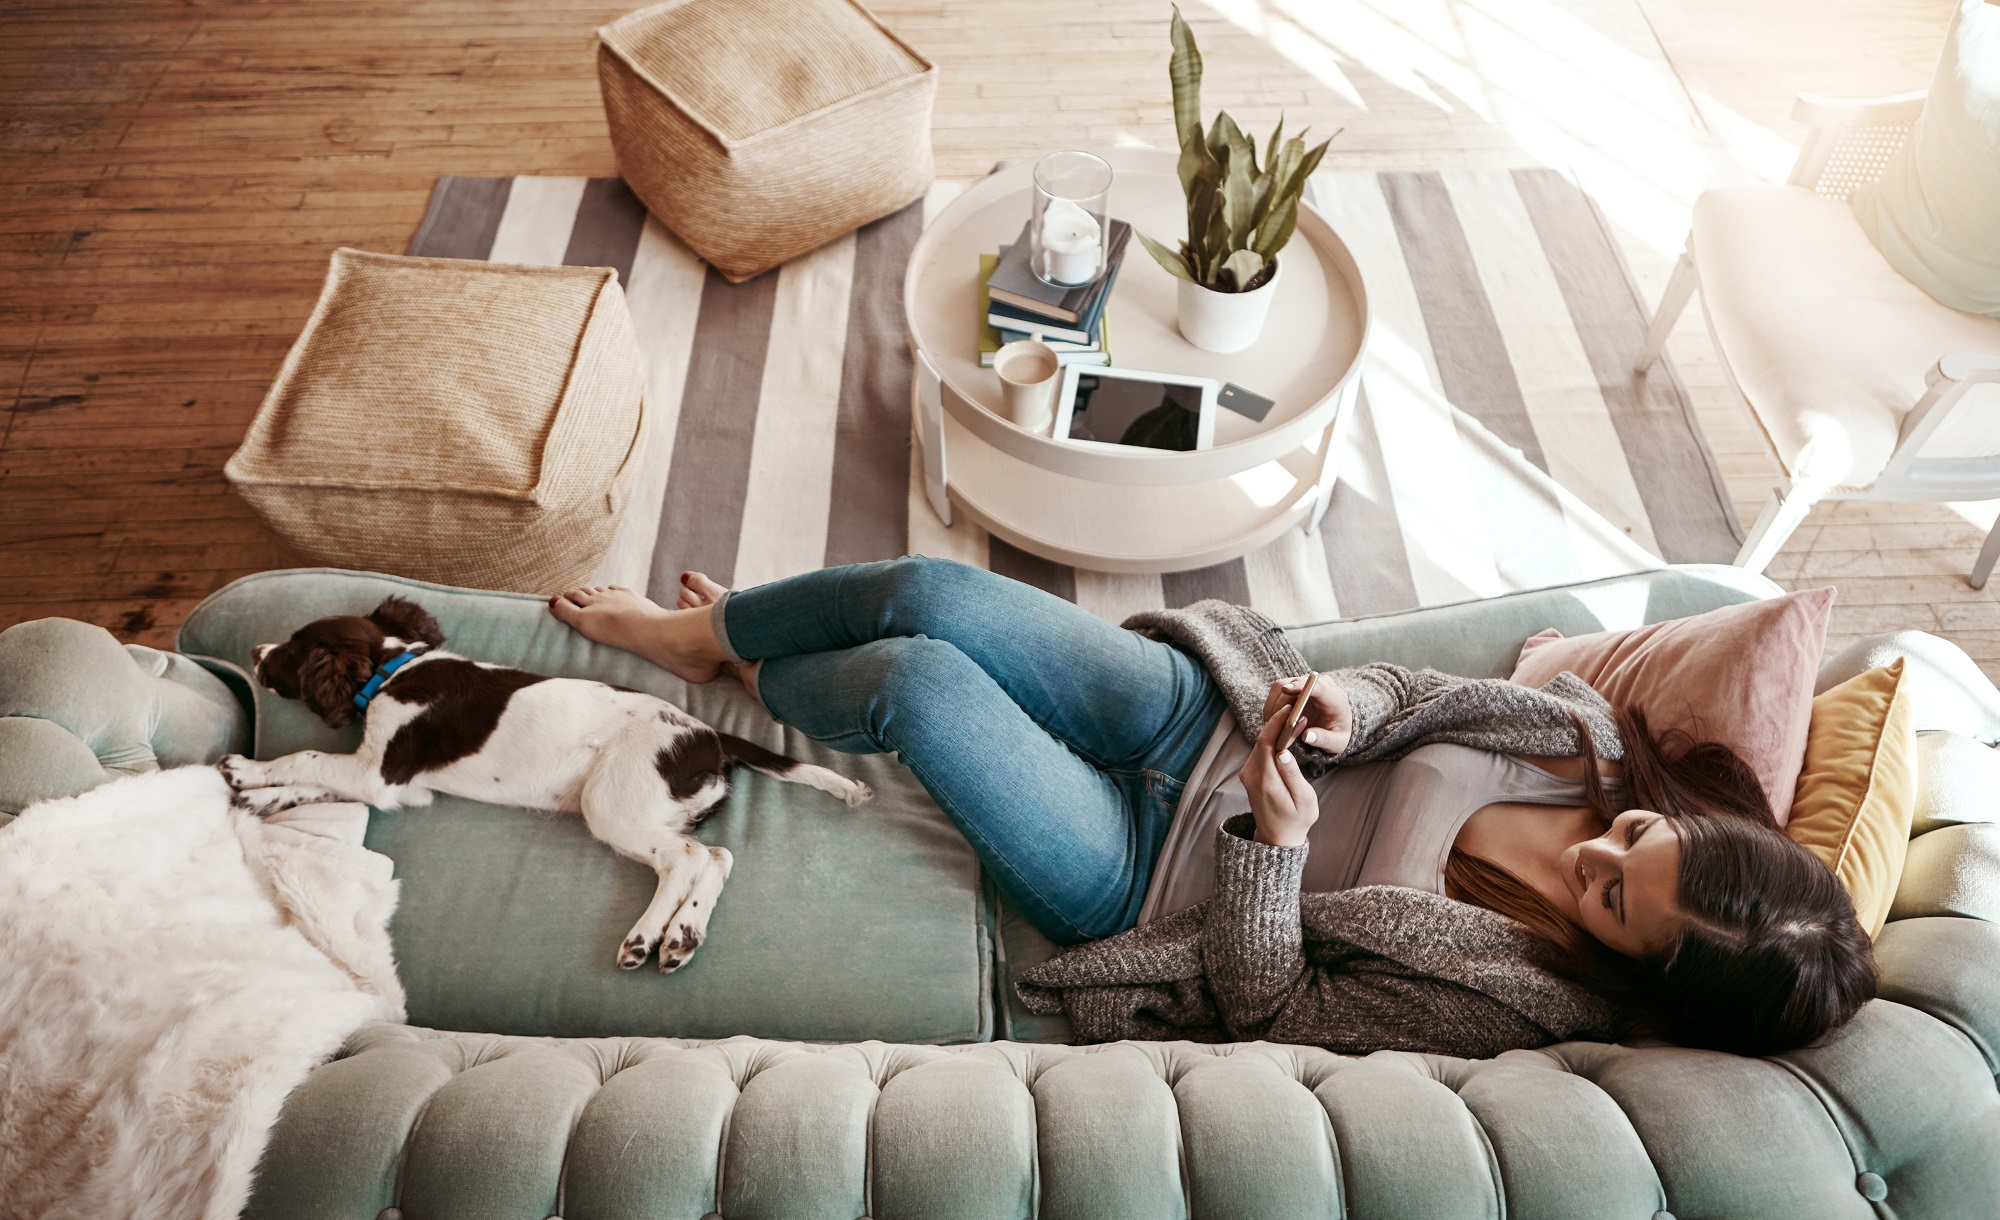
1225, 321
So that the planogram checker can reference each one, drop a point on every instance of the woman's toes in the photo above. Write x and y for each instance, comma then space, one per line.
704, 590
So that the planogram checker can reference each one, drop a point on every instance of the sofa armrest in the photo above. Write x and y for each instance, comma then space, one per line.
1946, 967
78, 709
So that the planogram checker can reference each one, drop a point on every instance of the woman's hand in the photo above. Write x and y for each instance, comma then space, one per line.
1284, 804
1329, 718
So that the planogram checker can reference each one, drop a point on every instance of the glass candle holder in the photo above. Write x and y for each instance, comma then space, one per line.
1072, 218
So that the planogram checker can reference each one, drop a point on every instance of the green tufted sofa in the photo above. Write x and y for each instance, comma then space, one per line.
847, 1044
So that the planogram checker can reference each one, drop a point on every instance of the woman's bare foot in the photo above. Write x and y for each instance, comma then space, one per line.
679, 641
698, 590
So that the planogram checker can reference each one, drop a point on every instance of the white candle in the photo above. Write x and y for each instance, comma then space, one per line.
1071, 240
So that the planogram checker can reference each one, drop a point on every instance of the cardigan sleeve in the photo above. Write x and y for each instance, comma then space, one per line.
1266, 985
1395, 710
1251, 947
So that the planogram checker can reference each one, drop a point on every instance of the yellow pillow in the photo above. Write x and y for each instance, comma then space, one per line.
1858, 790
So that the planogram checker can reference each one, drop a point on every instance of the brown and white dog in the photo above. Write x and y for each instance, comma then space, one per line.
642, 772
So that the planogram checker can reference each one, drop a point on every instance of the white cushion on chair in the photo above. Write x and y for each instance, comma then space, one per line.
1935, 213
1825, 339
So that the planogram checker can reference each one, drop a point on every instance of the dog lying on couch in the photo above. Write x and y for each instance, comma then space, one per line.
642, 772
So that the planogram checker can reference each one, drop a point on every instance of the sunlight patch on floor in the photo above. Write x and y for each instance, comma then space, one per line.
1567, 94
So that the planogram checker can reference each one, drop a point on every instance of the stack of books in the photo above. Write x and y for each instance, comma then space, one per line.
1014, 304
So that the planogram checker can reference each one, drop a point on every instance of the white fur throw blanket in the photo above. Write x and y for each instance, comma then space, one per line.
169, 970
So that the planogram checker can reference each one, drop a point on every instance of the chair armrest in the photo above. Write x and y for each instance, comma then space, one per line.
1962, 365
1951, 384
1816, 111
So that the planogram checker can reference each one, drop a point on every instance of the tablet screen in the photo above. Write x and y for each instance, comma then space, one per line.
1153, 414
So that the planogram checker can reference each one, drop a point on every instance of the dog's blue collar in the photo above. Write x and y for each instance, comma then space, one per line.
390, 666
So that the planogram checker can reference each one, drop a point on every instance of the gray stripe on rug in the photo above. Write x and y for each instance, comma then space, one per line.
1363, 540
1227, 581
463, 218
608, 226
1471, 353
1045, 574
1478, 375
702, 518
869, 516
1670, 460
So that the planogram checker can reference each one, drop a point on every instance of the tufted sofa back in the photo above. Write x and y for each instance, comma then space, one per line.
1899, 1112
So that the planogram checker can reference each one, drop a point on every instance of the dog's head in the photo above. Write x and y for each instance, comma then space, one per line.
327, 661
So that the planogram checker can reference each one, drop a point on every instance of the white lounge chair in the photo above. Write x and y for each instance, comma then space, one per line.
1862, 385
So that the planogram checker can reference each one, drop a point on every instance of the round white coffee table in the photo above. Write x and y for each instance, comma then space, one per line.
1135, 510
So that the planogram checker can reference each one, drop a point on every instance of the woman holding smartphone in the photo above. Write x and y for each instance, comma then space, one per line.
1479, 872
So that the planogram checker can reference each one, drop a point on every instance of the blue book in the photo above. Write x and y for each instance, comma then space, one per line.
1082, 331
1015, 284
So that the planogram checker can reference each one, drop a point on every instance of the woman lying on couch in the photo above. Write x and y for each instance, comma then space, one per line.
1426, 862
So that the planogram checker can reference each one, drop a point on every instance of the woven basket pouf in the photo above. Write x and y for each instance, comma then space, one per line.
465, 422
758, 129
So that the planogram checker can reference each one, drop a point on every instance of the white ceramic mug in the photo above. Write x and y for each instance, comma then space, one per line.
1029, 373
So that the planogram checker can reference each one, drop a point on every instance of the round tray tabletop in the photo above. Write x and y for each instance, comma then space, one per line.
1310, 347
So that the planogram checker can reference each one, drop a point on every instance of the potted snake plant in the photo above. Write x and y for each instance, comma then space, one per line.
1239, 215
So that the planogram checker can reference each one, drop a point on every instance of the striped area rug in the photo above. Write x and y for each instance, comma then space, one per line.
1501, 443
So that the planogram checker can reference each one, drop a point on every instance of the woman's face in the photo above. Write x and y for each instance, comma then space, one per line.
1626, 882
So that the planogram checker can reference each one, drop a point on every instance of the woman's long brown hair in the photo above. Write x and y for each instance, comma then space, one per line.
1768, 955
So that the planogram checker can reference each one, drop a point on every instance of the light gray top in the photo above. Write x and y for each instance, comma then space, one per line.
1384, 823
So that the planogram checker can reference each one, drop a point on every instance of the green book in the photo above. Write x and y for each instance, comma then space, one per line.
989, 335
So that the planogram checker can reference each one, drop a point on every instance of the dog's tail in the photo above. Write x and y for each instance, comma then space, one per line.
777, 766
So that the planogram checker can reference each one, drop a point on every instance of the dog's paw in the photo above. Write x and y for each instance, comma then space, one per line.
239, 772
858, 794
263, 802
674, 953
634, 952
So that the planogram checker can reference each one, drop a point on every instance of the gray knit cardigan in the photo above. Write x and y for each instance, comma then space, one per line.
1376, 968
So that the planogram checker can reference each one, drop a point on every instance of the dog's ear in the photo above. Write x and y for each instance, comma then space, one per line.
406, 620
329, 678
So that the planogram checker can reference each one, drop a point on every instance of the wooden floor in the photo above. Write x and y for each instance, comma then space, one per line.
173, 174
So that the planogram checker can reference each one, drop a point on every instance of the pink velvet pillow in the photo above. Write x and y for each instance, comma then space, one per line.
1741, 675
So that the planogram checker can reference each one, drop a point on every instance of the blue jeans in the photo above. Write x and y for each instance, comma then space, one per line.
1055, 741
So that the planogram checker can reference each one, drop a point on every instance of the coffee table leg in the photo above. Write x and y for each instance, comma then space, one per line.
1331, 444
927, 411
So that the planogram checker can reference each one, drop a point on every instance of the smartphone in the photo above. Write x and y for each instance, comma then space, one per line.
1299, 708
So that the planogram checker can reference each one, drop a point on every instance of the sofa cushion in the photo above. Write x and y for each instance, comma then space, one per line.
1827, 341
1957, 777
1740, 675
1858, 789
836, 923
1953, 871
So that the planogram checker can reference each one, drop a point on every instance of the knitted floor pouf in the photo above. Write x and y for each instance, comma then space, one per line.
758, 129
464, 422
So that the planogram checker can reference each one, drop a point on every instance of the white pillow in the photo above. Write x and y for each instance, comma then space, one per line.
1935, 214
